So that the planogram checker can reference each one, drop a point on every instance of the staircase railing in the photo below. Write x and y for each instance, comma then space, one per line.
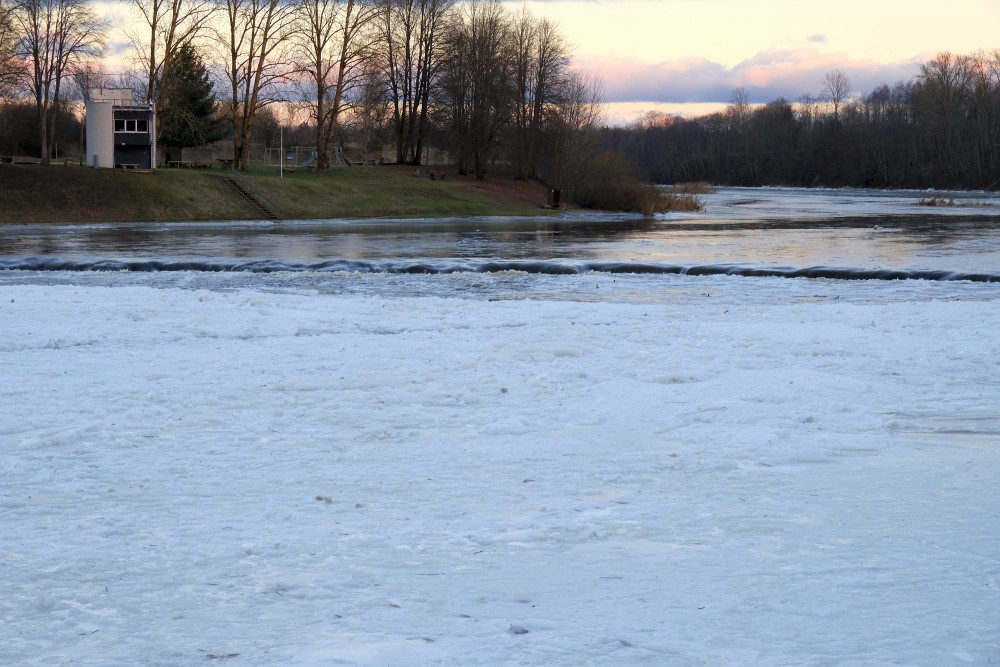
253, 194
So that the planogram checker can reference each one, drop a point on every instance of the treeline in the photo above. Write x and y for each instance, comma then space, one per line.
941, 129
398, 77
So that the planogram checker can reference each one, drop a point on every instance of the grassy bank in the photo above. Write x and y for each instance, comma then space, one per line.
73, 194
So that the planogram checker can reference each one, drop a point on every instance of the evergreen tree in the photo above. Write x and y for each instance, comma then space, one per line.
187, 102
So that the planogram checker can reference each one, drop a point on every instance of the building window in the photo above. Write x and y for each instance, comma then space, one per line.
128, 125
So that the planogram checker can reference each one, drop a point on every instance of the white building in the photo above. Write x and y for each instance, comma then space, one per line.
121, 133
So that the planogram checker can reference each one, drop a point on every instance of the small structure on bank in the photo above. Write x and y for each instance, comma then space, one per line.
121, 133
198, 157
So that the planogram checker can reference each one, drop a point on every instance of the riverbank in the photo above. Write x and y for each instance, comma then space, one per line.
31, 194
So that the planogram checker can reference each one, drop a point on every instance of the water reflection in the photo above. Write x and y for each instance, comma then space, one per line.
771, 228
510, 238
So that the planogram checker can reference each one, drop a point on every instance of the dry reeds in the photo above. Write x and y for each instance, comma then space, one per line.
697, 188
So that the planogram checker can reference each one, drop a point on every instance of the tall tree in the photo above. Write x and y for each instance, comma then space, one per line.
331, 47
887, 133
836, 91
570, 138
371, 112
55, 37
167, 26
738, 115
541, 59
943, 99
410, 32
187, 117
254, 36
476, 81
10, 65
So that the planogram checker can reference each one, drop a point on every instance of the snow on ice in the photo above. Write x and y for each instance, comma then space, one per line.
784, 472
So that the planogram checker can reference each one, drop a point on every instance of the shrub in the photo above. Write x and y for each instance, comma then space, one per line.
610, 182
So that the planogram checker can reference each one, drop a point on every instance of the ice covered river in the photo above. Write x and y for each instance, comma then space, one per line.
562, 441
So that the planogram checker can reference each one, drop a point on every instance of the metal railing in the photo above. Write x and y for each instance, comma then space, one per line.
252, 188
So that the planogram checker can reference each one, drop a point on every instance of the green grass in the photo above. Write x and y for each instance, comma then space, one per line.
73, 194
391, 192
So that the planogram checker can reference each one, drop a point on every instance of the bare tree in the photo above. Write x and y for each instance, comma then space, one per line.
167, 25
371, 111
738, 111
739, 115
10, 65
541, 58
571, 131
476, 81
331, 47
523, 38
254, 37
836, 90
944, 101
805, 110
410, 33
89, 76
56, 36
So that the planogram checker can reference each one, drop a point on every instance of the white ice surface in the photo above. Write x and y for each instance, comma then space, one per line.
786, 475
749, 204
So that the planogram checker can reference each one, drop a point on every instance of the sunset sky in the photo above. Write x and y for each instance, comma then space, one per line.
689, 55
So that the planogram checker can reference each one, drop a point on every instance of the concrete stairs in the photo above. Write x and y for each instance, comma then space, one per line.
253, 195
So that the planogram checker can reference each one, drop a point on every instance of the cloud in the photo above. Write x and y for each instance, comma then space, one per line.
119, 48
816, 39
773, 73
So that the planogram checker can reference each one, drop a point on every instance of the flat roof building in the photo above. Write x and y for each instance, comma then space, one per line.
121, 133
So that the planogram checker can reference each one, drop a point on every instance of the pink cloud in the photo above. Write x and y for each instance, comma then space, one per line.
774, 73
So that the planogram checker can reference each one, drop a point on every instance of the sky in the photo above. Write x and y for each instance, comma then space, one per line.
687, 56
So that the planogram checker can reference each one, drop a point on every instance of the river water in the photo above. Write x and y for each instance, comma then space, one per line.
769, 232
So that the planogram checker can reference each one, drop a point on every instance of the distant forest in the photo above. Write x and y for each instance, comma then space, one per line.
942, 130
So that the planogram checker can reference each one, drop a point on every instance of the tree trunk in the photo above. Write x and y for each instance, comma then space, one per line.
322, 136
